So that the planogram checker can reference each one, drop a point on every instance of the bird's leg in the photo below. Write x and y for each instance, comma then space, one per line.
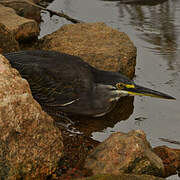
61, 115
67, 126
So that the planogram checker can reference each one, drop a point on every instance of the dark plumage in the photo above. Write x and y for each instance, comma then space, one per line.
68, 84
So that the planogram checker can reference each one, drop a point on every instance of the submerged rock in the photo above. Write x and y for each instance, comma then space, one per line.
125, 153
20, 27
170, 158
8, 42
24, 8
30, 144
98, 44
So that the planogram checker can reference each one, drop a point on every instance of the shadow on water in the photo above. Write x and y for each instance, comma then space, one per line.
121, 112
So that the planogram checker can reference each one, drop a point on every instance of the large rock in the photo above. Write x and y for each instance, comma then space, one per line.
7, 40
125, 153
24, 8
22, 28
171, 159
30, 145
100, 45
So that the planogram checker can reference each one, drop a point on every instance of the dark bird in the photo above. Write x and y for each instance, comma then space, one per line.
68, 84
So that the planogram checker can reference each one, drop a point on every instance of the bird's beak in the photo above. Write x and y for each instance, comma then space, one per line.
133, 89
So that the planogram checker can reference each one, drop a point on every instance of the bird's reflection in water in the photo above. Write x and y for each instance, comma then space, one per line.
87, 125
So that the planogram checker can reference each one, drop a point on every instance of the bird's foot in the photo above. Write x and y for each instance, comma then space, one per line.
68, 127
67, 124
61, 115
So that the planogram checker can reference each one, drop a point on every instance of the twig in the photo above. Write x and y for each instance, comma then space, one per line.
64, 16
60, 14
170, 141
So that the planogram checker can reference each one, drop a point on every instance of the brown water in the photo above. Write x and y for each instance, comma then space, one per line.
154, 30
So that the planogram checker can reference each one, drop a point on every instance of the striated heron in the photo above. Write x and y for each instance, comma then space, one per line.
68, 84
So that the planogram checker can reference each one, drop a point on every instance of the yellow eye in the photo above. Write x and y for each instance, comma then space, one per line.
122, 85
119, 85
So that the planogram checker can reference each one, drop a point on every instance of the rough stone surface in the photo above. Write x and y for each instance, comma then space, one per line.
125, 153
100, 45
23, 8
7, 40
122, 177
30, 144
171, 159
22, 28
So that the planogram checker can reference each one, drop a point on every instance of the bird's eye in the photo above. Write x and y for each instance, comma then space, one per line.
120, 85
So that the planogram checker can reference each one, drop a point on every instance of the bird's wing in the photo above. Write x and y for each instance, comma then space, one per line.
45, 89
52, 83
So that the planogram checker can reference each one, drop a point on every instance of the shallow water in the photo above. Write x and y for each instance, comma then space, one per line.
154, 30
